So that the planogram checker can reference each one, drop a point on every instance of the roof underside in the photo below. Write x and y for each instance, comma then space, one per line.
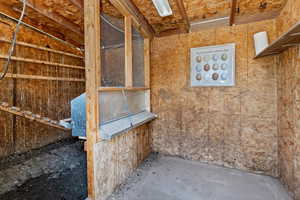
64, 18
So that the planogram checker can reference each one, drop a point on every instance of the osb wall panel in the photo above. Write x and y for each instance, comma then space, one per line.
289, 16
116, 159
289, 104
47, 98
232, 126
289, 119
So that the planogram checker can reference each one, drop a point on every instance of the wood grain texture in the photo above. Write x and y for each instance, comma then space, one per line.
46, 98
116, 159
93, 81
288, 70
128, 52
231, 126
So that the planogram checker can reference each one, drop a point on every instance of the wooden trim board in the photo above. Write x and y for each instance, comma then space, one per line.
93, 81
19, 59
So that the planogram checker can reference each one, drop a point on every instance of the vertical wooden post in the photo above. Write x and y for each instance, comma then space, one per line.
93, 73
147, 61
147, 72
128, 52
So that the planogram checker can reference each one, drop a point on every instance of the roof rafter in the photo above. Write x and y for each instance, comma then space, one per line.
54, 17
232, 12
78, 4
127, 8
183, 13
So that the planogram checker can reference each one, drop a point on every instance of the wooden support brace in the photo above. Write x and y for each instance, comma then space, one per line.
128, 52
42, 48
93, 81
147, 48
13, 58
33, 117
111, 89
46, 78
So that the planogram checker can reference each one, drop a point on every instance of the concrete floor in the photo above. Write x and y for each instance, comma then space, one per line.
169, 178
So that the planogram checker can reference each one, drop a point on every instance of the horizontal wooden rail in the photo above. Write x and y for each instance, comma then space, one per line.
33, 117
13, 58
42, 48
47, 78
111, 89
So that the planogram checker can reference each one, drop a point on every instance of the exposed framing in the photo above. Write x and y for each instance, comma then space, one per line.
232, 12
93, 77
93, 73
128, 52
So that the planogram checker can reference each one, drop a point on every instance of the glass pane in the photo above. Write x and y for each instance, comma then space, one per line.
113, 51
138, 59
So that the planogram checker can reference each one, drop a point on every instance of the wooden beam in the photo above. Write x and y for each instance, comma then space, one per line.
183, 13
128, 52
54, 17
244, 19
31, 116
112, 89
24, 44
232, 12
147, 62
147, 58
127, 8
209, 23
46, 78
78, 4
93, 81
13, 58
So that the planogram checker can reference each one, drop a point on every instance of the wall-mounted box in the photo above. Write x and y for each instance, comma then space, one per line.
213, 65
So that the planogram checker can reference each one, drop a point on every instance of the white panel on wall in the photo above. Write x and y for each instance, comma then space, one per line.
213, 65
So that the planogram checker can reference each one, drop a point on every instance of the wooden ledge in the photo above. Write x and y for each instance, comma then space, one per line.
111, 89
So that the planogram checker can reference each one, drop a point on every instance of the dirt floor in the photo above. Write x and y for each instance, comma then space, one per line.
55, 172
58, 172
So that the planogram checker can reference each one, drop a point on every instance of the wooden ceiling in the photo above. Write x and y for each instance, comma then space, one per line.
64, 18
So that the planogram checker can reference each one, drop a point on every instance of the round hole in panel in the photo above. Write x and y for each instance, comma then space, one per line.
207, 58
198, 68
206, 67
224, 76
215, 76
199, 77
207, 77
215, 57
224, 66
199, 59
215, 67
224, 56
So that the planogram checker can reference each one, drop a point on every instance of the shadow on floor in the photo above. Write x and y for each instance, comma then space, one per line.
55, 172
172, 178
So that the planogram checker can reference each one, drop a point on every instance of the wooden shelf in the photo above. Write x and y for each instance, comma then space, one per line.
33, 117
289, 39
43, 62
111, 89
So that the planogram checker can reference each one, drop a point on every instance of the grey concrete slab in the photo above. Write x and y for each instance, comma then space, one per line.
170, 178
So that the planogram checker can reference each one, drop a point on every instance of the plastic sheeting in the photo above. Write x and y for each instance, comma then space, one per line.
119, 112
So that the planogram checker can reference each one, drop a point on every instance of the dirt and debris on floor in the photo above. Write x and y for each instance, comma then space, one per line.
171, 178
57, 171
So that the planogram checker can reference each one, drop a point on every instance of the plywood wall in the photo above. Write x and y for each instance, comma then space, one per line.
47, 98
289, 104
232, 126
116, 159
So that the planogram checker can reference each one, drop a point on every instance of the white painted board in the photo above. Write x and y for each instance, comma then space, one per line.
213, 66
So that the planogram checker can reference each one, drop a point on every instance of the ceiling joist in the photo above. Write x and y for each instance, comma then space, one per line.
232, 12
54, 17
127, 8
78, 4
183, 13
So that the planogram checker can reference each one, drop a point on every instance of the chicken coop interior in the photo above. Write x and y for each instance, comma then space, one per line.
150, 99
